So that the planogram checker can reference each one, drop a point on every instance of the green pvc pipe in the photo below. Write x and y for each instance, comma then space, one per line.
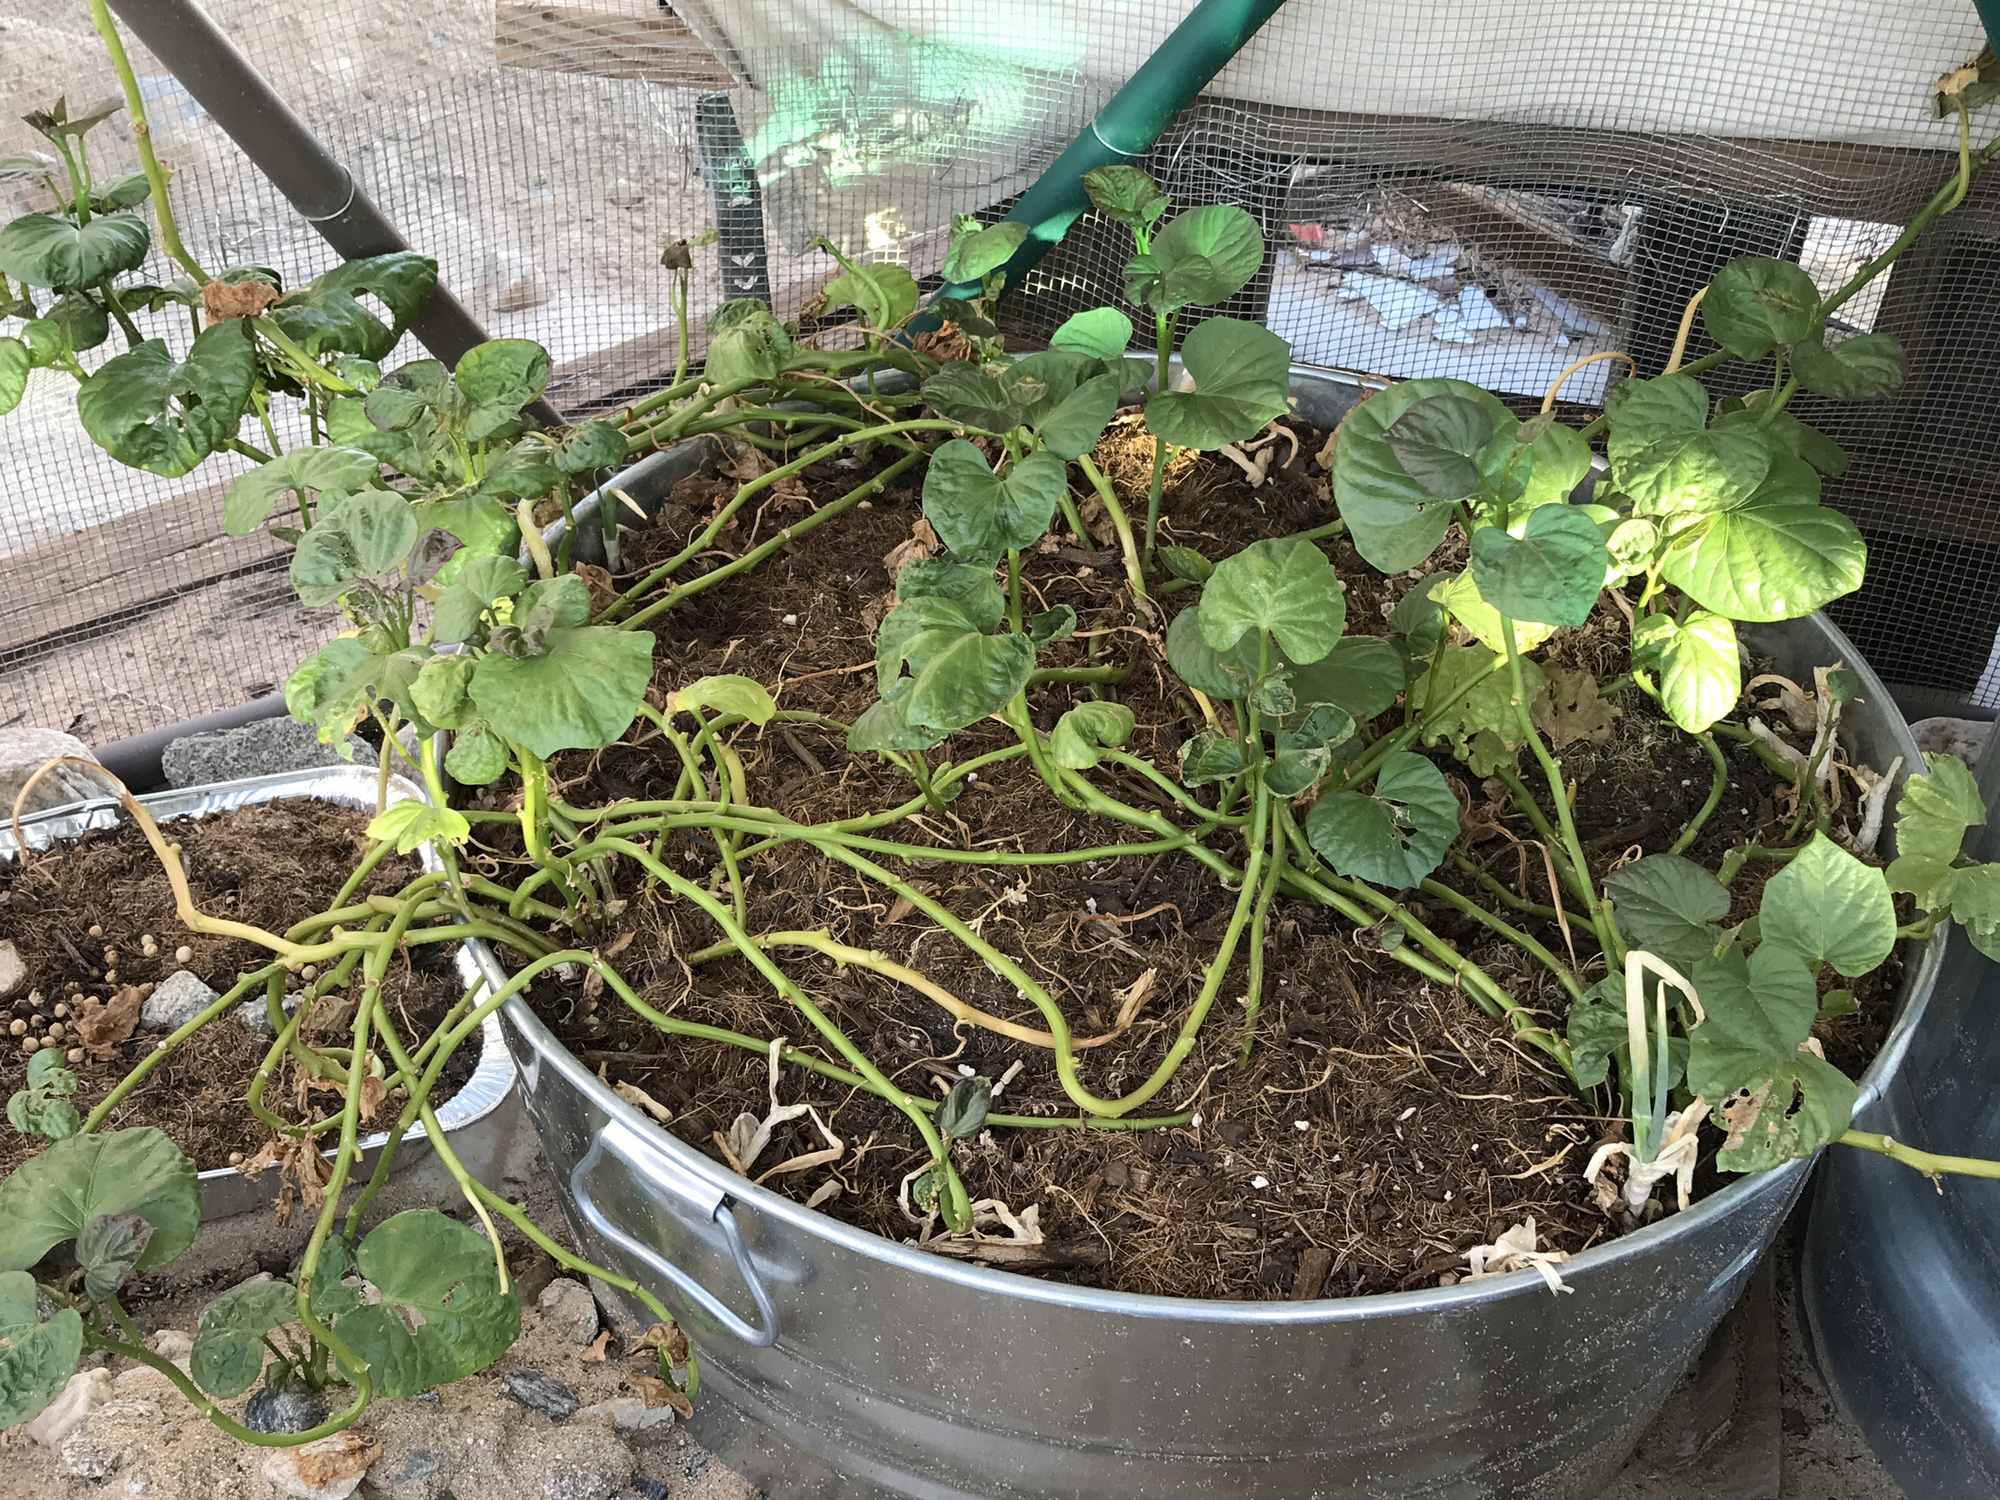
1126, 128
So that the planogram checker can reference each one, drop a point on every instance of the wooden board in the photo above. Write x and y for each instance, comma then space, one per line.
90, 577
653, 48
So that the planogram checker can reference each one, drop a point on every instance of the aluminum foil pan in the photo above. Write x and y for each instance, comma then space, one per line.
224, 1190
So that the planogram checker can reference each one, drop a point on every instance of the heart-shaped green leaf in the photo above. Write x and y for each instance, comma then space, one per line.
1070, 427
1206, 255
49, 1198
327, 316
46, 251
253, 496
1397, 835
1480, 726
594, 445
1096, 332
726, 693
330, 688
1868, 364
969, 394
1670, 906
1665, 456
1394, 521
1829, 907
323, 566
1242, 377
108, 1252
975, 250
1756, 304
1052, 625
883, 729
1551, 574
153, 412
442, 690
1125, 195
1776, 1101
1785, 433
478, 756
1597, 1031
958, 673
1756, 1012
481, 582
36, 1358
14, 366
1283, 585
229, 1343
1219, 674
1773, 556
1362, 675
381, 524
746, 343
581, 693
1438, 443
1297, 769
1536, 462
411, 825
442, 1316
1696, 662
1460, 596
1932, 816
884, 294
980, 516
1210, 756
1085, 732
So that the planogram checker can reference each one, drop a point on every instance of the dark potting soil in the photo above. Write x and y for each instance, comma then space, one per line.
269, 865
1383, 1124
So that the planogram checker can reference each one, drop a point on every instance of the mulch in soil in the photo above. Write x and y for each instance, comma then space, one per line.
1382, 1126
270, 865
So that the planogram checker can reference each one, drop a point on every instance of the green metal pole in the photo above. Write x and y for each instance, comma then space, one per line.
1199, 48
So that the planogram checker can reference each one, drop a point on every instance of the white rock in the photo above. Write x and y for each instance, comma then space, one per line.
1965, 738
629, 1415
175, 1001
87, 1458
568, 1308
13, 973
172, 1345
25, 751
329, 1469
62, 1416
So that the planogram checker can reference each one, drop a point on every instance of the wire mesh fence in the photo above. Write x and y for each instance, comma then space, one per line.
1487, 191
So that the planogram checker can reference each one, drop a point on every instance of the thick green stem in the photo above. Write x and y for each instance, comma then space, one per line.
142, 134
1121, 524
1926, 1162
758, 554
1253, 997
1600, 913
748, 491
1718, 784
1163, 350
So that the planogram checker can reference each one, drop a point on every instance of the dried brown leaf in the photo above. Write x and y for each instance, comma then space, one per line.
921, 543
223, 300
1572, 710
102, 1025
596, 1354
658, 1392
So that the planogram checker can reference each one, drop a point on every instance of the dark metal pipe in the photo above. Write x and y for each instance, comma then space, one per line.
223, 81
136, 761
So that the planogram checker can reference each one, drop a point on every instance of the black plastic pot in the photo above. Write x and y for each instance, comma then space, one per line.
1898, 1278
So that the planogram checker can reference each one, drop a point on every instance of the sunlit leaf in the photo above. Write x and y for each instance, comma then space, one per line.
1696, 663
1829, 907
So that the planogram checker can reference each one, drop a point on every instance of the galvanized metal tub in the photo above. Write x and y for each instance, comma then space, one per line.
839, 1364
471, 1117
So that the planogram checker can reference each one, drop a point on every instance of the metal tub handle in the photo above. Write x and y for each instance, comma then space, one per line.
653, 1171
